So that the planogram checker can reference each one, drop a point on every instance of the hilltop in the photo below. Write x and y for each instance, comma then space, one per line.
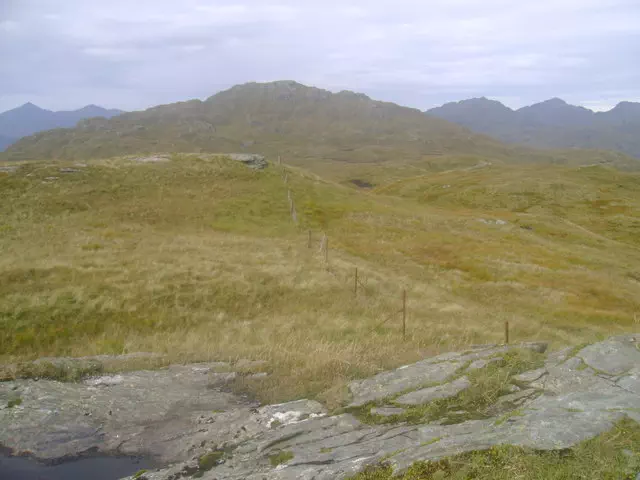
550, 124
29, 119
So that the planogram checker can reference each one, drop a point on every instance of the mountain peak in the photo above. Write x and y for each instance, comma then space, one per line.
29, 118
627, 106
30, 107
554, 101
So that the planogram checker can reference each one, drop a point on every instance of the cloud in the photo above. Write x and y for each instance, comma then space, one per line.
133, 55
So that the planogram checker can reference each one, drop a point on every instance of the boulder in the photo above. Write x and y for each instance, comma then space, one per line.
251, 160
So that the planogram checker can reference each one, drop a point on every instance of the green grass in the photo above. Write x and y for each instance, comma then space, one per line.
208, 461
614, 455
199, 260
280, 458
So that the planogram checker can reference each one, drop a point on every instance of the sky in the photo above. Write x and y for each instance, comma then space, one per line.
64, 54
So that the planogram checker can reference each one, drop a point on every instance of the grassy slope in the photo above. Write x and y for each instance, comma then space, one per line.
198, 258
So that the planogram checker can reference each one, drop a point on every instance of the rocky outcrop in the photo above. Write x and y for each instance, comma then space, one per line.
183, 415
251, 160
420, 374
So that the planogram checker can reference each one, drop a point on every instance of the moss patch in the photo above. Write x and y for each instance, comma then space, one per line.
280, 458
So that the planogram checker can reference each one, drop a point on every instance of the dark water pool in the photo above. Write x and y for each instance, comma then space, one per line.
88, 468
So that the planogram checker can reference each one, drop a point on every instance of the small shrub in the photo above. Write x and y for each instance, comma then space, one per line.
14, 403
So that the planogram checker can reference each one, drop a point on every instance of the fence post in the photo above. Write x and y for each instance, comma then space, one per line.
286, 177
279, 160
309, 240
294, 214
326, 249
404, 314
506, 332
355, 284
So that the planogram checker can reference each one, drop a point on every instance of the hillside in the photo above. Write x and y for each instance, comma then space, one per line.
550, 124
197, 257
305, 125
29, 119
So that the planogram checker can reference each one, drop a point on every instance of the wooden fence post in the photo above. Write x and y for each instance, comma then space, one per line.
355, 284
279, 160
326, 249
404, 314
506, 332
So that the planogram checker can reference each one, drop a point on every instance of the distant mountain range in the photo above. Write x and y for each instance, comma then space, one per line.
29, 119
305, 125
277, 118
550, 124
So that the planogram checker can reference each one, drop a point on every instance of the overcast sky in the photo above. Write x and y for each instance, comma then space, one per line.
132, 54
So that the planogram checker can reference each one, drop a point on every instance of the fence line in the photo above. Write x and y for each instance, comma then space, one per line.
324, 249
357, 282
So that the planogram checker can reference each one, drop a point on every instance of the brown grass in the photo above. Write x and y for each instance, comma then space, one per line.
198, 259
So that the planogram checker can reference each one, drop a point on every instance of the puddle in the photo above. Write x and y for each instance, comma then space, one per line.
94, 468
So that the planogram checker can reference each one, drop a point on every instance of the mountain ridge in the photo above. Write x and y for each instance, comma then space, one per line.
282, 117
29, 118
304, 124
553, 123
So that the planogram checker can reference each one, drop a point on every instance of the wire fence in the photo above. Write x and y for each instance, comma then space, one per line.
358, 284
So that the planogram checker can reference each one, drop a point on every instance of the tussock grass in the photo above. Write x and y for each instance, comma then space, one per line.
198, 259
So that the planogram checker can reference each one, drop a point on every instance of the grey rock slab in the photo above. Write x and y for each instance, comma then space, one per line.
540, 430
438, 392
512, 400
631, 381
479, 364
387, 384
531, 376
578, 404
146, 412
614, 356
387, 411
558, 356
428, 371
179, 413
